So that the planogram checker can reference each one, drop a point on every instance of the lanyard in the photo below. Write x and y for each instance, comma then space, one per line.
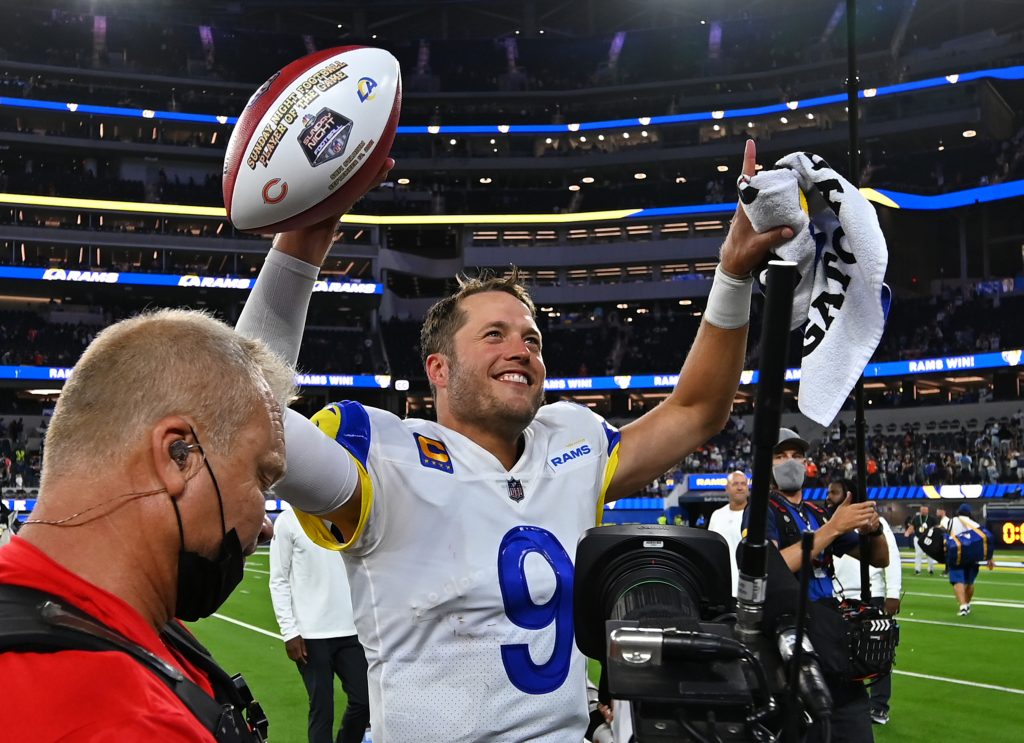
808, 521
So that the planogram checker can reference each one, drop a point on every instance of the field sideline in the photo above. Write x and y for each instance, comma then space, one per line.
960, 676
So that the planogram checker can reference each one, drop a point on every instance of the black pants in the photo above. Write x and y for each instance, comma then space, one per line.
341, 656
851, 715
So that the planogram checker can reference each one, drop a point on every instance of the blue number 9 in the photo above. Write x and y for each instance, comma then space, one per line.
530, 677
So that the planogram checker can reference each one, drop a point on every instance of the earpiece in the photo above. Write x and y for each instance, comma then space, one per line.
179, 452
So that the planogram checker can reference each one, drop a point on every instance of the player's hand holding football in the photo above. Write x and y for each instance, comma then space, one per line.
744, 248
313, 243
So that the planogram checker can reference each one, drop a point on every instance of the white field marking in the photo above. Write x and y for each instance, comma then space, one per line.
256, 570
961, 682
901, 620
254, 628
1008, 604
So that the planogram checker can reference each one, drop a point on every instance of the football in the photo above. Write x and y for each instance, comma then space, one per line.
311, 139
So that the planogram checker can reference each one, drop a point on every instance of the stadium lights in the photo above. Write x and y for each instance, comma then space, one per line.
583, 138
600, 137
750, 124
401, 385
680, 179
547, 141
783, 119
685, 302
639, 176
716, 127
998, 73
941, 147
403, 181
969, 133
587, 179
625, 135
723, 168
454, 142
574, 187
643, 133
485, 180
883, 197
644, 120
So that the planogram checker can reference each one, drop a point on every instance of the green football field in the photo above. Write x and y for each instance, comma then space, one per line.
955, 676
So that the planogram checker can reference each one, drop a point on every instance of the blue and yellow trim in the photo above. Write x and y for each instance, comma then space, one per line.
349, 424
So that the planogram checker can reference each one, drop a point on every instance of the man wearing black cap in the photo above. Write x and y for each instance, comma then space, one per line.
788, 516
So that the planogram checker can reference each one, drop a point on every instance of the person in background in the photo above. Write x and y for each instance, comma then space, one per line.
915, 527
962, 578
789, 514
728, 520
886, 588
310, 593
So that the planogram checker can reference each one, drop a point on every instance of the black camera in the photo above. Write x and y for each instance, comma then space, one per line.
653, 603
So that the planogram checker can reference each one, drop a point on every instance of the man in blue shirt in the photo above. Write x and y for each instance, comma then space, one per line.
788, 516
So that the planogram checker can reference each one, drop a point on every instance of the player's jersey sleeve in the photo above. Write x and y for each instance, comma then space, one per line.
350, 425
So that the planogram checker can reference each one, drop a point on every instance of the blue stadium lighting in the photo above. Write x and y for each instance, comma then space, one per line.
175, 280
136, 113
913, 367
997, 73
956, 199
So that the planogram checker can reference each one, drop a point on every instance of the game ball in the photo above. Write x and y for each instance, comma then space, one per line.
311, 140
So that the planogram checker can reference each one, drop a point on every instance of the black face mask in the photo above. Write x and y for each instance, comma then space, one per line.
205, 584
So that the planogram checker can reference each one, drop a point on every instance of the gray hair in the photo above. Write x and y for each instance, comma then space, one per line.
156, 364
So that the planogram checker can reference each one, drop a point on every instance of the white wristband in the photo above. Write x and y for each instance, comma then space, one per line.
729, 301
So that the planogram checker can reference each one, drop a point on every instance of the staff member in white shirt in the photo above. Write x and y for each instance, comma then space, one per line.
310, 592
728, 520
886, 586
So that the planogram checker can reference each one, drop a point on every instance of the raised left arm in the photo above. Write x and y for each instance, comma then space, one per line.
701, 401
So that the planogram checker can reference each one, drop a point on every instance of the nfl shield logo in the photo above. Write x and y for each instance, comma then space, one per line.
515, 490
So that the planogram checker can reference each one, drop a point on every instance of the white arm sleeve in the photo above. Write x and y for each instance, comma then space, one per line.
276, 309
321, 474
893, 574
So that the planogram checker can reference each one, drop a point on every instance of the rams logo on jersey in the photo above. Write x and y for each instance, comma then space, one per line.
434, 454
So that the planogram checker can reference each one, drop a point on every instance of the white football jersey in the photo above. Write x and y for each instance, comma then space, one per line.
462, 573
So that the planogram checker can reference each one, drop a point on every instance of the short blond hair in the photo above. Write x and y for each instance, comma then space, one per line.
156, 364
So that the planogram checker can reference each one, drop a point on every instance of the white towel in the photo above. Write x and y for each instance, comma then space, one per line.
841, 256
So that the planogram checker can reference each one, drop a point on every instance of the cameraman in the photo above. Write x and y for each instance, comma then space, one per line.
789, 515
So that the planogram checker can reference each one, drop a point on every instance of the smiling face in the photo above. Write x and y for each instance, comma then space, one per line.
494, 376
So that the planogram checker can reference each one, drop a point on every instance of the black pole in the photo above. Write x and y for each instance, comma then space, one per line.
860, 425
791, 732
778, 308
